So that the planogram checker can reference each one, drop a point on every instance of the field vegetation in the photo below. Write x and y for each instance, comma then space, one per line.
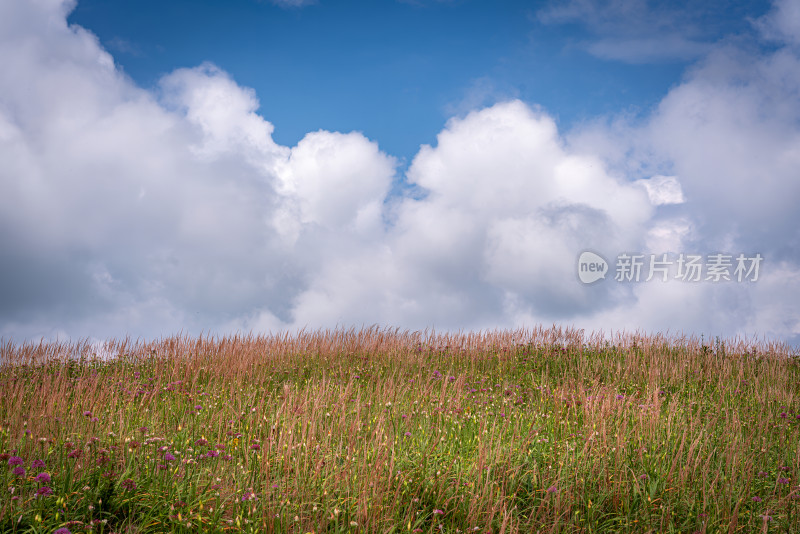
375, 430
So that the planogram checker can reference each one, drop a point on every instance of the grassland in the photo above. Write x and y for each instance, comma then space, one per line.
543, 430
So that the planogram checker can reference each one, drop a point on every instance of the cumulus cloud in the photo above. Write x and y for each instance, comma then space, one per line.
127, 211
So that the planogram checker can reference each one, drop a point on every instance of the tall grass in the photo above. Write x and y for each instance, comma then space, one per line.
377, 430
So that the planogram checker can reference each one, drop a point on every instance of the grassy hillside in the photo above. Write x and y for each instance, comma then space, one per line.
386, 431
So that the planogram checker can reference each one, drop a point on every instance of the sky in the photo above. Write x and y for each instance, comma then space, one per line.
252, 165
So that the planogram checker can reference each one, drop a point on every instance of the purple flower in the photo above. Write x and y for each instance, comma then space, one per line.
16, 460
19, 471
552, 489
438, 512
620, 397
198, 407
44, 478
128, 484
758, 499
249, 496
168, 457
44, 491
408, 434
37, 464
783, 480
62, 531
200, 442
212, 454
87, 413
255, 446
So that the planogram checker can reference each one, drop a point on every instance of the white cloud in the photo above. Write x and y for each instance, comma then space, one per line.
293, 3
127, 211
782, 23
663, 190
636, 31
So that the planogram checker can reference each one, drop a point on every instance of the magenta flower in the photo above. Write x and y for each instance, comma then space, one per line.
44, 478
408, 434
255, 446
37, 464
87, 413
438, 512
128, 484
44, 491
168, 457
200, 442
19, 471
62, 531
16, 460
552, 489
758, 499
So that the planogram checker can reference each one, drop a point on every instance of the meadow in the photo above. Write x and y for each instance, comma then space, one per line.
380, 431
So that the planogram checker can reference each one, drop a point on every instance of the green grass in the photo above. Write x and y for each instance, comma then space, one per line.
387, 431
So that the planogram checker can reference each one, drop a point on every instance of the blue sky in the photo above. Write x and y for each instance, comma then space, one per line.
218, 167
396, 71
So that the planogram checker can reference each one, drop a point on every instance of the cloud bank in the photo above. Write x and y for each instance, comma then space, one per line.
127, 211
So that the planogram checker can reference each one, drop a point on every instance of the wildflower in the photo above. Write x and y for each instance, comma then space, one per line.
255, 446
168, 457
19, 471
783, 480
552, 489
198, 407
128, 484
62, 531
16, 460
75, 453
408, 434
212, 454
44, 491
438, 512
620, 397
249, 496
87, 413
37, 464
200, 442
758, 499
44, 478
